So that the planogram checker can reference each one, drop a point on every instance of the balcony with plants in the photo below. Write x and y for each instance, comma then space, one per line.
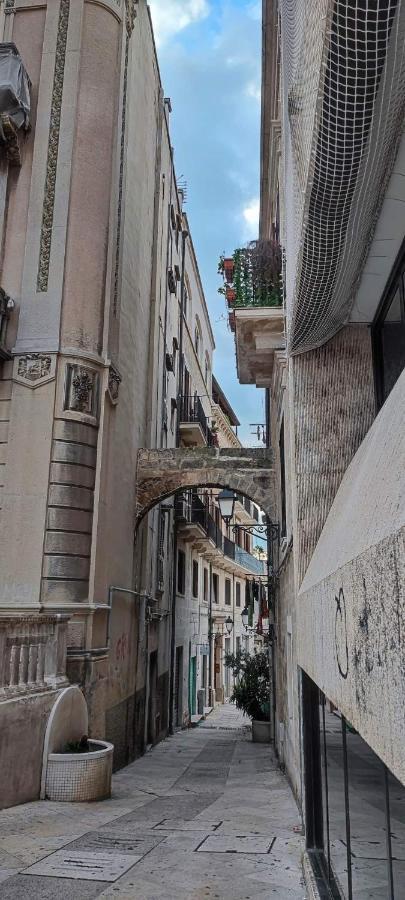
253, 290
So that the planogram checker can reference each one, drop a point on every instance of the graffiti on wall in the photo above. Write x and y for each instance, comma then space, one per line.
342, 651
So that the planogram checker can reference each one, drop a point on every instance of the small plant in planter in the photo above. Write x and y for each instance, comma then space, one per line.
82, 746
251, 692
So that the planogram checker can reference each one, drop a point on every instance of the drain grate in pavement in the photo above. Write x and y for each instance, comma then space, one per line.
111, 842
90, 866
236, 843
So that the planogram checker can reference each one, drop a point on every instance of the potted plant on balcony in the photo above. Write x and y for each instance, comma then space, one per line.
225, 267
230, 295
251, 692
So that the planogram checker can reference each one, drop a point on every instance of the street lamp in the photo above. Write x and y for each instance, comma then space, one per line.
226, 501
245, 617
229, 624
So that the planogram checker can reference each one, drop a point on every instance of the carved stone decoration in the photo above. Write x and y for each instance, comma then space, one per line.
114, 381
9, 7
53, 148
130, 15
34, 369
81, 394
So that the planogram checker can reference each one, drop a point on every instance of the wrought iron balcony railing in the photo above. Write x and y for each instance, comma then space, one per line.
192, 411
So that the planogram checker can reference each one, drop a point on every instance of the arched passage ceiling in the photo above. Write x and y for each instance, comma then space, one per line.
161, 473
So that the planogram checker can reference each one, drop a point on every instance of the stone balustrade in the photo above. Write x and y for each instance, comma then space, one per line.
32, 654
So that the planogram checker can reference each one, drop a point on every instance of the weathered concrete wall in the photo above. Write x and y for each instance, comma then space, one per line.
354, 587
22, 731
332, 406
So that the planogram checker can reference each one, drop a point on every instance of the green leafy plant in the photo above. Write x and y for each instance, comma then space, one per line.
81, 746
252, 688
256, 278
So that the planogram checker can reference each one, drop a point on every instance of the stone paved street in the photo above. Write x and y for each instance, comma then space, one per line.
205, 816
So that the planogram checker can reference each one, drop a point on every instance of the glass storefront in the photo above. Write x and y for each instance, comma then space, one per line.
361, 844
389, 336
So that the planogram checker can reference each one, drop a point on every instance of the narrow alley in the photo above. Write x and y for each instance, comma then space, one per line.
205, 814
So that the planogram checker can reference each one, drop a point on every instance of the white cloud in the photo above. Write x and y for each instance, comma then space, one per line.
253, 89
171, 16
255, 11
250, 215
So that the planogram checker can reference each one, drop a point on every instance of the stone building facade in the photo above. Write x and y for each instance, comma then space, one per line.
331, 359
102, 352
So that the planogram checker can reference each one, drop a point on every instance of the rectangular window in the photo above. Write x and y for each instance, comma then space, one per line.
282, 482
215, 588
205, 591
237, 597
227, 592
195, 578
181, 571
389, 339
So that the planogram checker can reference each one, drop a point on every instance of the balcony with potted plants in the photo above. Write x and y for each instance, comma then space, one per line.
253, 291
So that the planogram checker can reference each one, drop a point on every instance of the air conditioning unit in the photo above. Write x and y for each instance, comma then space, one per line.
171, 280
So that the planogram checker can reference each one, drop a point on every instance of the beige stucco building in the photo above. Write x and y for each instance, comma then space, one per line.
106, 347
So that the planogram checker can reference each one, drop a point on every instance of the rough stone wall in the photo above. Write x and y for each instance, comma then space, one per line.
162, 472
287, 686
333, 408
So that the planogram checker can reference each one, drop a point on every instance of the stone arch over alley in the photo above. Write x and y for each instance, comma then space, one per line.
161, 473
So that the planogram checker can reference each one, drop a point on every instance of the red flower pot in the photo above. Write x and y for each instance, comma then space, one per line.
228, 269
230, 297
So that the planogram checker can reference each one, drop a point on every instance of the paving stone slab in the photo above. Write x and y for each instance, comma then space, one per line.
90, 866
187, 825
236, 843
33, 887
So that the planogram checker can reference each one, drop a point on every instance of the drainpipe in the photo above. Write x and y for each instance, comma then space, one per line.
184, 236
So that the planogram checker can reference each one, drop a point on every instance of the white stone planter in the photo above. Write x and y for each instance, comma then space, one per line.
261, 732
80, 777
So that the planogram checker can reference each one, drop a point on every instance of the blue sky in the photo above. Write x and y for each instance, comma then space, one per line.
210, 56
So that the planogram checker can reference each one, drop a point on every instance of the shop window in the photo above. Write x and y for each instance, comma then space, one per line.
227, 592
195, 578
389, 339
181, 571
355, 807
